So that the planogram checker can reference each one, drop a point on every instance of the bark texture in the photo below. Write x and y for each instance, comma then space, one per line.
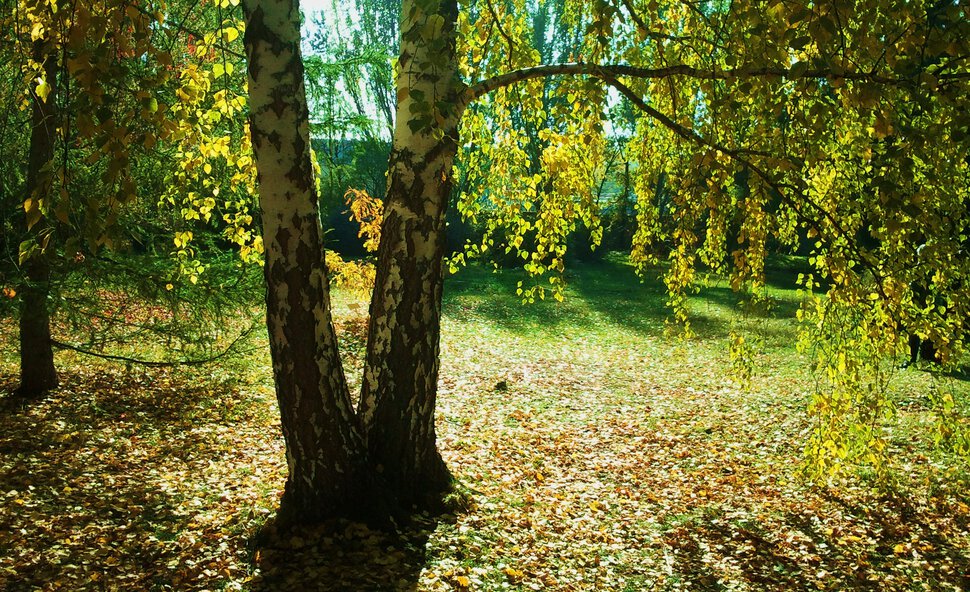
328, 473
401, 372
37, 372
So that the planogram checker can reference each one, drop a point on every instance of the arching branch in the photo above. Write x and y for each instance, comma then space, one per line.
614, 71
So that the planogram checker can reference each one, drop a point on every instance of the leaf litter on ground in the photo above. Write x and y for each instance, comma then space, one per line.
596, 453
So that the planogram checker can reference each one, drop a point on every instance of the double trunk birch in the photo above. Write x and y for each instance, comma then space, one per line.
382, 456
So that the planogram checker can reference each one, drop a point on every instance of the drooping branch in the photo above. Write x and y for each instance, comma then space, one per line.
611, 75
229, 349
784, 191
692, 136
634, 15
501, 30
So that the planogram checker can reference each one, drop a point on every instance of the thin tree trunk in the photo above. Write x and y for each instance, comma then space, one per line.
37, 372
328, 473
401, 371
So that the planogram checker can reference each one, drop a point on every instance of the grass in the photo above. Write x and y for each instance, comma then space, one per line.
599, 454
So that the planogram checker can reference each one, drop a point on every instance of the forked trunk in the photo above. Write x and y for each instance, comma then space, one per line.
401, 371
383, 457
328, 473
37, 372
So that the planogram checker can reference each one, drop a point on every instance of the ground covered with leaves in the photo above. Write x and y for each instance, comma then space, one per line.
597, 455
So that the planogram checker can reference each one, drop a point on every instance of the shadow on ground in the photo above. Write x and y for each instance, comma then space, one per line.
796, 551
118, 481
342, 557
608, 290
150, 481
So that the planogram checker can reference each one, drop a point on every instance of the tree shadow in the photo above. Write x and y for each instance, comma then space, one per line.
882, 541
899, 521
960, 372
97, 484
606, 290
763, 564
342, 556
611, 291
480, 293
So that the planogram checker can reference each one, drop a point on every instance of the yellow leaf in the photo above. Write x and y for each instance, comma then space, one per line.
463, 581
899, 549
43, 89
230, 34
33, 217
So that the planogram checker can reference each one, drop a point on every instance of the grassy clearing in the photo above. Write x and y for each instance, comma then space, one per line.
598, 455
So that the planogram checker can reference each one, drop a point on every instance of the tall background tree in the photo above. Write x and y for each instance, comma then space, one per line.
350, 90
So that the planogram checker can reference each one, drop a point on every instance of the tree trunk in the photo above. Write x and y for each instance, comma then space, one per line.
328, 473
37, 372
401, 372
